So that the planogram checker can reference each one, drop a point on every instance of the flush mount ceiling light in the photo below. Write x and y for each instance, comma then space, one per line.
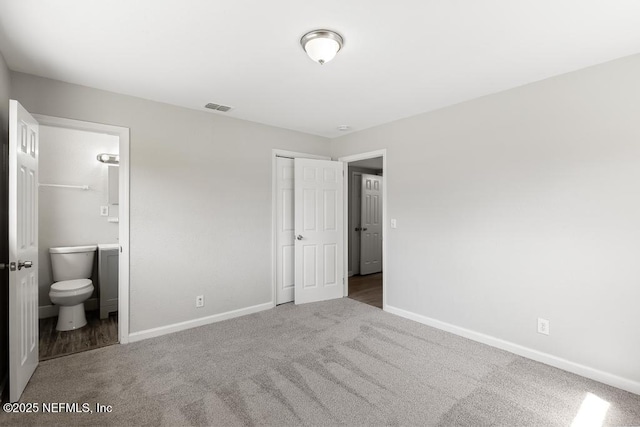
321, 45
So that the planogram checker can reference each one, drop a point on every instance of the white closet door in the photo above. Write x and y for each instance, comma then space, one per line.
285, 247
319, 230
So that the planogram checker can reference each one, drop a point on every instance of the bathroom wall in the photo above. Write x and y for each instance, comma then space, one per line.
71, 217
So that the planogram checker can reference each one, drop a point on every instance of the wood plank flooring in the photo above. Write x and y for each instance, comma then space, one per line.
97, 333
366, 289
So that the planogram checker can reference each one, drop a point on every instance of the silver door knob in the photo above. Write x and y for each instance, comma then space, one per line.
26, 264
299, 237
10, 265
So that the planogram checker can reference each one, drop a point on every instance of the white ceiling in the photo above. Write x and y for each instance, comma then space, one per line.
400, 58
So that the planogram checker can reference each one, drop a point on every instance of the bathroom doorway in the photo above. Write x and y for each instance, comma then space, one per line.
80, 192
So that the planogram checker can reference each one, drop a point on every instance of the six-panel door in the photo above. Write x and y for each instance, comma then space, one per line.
318, 230
371, 225
23, 248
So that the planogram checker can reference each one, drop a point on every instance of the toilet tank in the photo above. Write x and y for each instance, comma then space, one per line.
72, 262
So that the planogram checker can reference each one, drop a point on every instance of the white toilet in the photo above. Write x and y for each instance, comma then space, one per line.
72, 267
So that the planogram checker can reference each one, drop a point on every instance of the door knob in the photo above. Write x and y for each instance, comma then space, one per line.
26, 264
364, 228
10, 265
299, 237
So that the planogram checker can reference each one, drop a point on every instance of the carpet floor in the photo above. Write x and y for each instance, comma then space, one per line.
339, 362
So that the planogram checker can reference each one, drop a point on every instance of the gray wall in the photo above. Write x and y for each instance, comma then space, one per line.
520, 205
5, 86
200, 198
71, 217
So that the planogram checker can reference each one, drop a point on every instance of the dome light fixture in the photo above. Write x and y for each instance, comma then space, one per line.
321, 45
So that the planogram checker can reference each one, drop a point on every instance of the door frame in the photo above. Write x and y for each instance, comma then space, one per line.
275, 152
354, 265
124, 211
385, 229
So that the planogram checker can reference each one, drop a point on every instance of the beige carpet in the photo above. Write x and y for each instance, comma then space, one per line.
332, 363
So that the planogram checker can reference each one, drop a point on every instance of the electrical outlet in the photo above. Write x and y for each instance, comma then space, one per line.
104, 210
394, 223
200, 301
543, 326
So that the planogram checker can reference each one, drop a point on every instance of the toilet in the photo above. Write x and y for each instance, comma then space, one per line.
72, 267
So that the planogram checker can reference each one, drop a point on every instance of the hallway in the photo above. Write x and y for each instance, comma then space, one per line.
366, 289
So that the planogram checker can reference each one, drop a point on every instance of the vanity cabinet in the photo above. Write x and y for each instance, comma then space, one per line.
108, 260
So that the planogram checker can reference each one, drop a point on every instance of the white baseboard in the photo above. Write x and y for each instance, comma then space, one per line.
176, 327
558, 362
51, 310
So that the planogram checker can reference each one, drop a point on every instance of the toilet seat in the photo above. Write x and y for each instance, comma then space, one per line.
71, 285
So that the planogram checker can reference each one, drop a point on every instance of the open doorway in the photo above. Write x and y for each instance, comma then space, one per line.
365, 224
78, 233
83, 187
74, 286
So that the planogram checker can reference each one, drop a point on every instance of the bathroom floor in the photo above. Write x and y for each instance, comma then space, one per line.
97, 333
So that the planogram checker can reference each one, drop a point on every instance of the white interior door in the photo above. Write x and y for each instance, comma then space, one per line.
319, 230
371, 225
23, 248
285, 220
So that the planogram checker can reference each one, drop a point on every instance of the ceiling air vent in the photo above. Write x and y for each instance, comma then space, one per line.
218, 107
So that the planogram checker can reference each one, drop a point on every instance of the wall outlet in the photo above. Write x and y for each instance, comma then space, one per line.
200, 301
394, 223
543, 326
104, 210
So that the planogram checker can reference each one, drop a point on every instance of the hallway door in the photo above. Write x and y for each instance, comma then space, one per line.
371, 225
